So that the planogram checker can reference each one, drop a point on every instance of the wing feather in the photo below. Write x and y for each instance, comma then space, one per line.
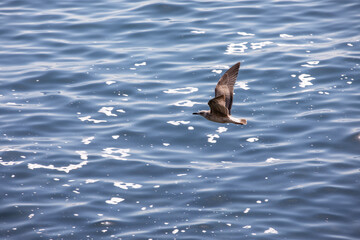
217, 106
226, 83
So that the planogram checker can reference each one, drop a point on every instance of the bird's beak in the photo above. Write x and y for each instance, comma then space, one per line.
196, 113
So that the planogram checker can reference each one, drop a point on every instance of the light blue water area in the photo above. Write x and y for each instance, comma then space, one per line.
98, 140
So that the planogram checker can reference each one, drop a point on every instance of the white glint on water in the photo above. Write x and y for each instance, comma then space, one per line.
10, 163
221, 129
252, 139
211, 138
114, 200
140, 64
311, 64
198, 32
110, 82
245, 34
242, 85
66, 169
116, 153
260, 44
185, 90
87, 140
89, 119
177, 123
236, 48
87, 181
185, 103
284, 35
271, 231
272, 160
217, 71
83, 155
305, 80
124, 185
107, 111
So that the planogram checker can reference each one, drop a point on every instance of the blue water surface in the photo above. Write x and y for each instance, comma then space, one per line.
98, 140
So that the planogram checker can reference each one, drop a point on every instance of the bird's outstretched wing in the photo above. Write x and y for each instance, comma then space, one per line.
225, 86
217, 106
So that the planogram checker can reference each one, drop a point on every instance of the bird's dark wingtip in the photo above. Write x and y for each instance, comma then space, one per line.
196, 113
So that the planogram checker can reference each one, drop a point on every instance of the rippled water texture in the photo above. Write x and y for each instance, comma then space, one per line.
98, 140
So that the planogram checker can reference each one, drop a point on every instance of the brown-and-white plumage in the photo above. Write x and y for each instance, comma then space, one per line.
220, 105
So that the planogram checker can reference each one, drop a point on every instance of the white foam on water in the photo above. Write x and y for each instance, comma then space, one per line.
236, 48
190, 128
89, 119
87, 140
107, 111
185, 103
121, 110
254, 139
124, 185
175, 231
245, 34
177, 123
114, 153
305, 80
185, 90
247, 226
271, 231
166, 144
246, 210
114, 200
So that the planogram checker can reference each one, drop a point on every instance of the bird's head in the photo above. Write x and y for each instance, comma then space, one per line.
202, 113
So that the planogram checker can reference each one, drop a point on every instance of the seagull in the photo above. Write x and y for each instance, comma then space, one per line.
220, 105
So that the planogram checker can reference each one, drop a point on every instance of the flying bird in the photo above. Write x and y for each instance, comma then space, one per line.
220, 105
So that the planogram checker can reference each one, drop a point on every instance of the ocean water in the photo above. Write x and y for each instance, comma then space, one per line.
98, 140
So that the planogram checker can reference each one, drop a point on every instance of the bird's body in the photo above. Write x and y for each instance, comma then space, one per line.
220, 106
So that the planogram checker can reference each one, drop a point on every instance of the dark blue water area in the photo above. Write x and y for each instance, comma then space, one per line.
98, 140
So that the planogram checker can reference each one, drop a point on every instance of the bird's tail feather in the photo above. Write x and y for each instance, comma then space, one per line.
243, 121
